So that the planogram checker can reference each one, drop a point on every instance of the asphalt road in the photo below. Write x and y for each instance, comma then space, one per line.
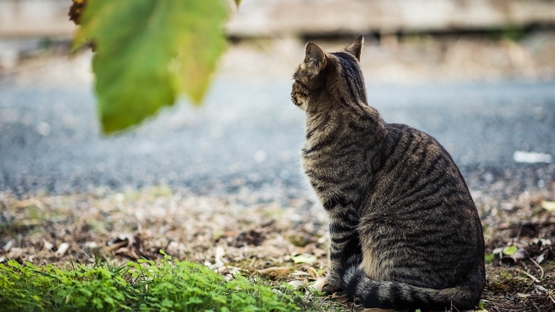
247, 136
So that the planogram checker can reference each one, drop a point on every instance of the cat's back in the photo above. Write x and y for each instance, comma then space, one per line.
420, 205
415, 175
412, 161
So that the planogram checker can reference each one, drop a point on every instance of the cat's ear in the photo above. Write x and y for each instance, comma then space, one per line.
314, 57
356, 47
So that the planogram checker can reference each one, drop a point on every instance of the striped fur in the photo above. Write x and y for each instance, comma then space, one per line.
404, 230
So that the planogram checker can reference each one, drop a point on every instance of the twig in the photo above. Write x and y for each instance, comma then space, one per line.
529, 275
538, 265
505, 308
520, 226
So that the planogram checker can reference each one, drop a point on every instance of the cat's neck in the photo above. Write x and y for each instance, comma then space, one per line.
340, 119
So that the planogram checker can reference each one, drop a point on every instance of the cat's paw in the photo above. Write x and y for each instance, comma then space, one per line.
323, 285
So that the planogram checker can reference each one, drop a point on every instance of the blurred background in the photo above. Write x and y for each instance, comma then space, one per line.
479, 75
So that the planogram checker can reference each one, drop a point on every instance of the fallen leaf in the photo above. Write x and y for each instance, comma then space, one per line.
275, 272
507, 206
313, 273
497, 250
230, 233
62, 249
16, 253
9, 245
300, 273
127, 252
123, 240
220, 252
296, 283
91, 245
48, 245
542, 241
515, 256
309, 259
115, 246
548, 205
520, 254
31, 222
339, 297
509, 250
540, 258
122, 237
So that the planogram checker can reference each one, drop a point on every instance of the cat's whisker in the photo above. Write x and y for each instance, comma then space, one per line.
287, 110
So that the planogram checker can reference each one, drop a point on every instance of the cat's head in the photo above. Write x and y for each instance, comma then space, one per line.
335, 72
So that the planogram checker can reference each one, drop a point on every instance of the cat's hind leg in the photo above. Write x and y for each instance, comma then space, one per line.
344, 248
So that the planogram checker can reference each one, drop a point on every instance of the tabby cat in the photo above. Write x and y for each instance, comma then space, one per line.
404, 230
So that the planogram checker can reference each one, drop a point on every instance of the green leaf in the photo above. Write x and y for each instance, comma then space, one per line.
489, 258
85, 292
510, 250
238, 2
200, 48
167, 303
149, 51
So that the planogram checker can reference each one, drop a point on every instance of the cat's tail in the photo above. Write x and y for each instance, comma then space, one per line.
400, 296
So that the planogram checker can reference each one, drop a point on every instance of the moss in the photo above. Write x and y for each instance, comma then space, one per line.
549, 266
505, 283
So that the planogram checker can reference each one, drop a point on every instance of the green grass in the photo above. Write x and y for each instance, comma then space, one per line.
145, 286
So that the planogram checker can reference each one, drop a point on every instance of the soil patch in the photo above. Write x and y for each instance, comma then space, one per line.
284, 244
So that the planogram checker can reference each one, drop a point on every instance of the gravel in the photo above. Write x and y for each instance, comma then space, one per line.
247, 135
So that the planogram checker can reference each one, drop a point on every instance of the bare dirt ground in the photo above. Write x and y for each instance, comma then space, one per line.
233, 234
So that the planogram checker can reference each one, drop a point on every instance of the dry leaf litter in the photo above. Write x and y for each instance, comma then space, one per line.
285, 243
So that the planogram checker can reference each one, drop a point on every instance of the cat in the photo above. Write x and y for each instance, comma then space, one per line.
404, 230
